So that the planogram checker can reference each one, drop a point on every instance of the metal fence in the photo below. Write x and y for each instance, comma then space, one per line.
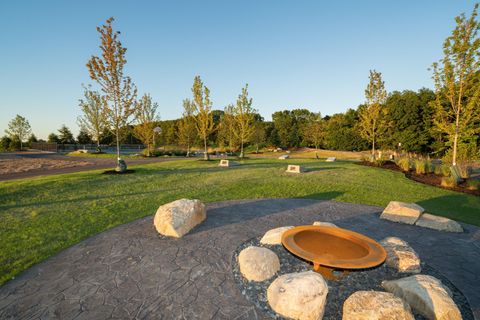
64, 147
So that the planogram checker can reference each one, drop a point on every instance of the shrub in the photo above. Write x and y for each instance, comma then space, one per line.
448, 182
473, 184
442, 170
421, 166
404, 164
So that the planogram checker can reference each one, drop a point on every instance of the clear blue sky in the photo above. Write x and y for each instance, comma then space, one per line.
293, 54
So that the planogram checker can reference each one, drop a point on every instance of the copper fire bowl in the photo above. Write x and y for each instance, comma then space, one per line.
330, 248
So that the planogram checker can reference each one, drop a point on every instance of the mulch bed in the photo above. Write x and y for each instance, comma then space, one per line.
338, 291
429, 178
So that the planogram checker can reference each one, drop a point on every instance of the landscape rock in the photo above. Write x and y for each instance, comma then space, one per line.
397, 211
425, 295
274, 236
121, 165
438, 223
299, 295
258, 264
178, 217
227, 163
284, 157
401, 256
294, 169
375, 305
331, 159
325, 224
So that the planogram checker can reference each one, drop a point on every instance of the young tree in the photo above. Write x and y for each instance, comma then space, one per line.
226, 128
372, 122
314, 130
65, 135
187, 130
457, 82
19, 129
119, 90
244, 118
146, 115
93, 121
203, 112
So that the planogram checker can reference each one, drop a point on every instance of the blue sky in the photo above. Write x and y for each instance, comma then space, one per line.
293, 54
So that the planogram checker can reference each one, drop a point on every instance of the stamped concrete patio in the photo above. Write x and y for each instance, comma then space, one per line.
132, 272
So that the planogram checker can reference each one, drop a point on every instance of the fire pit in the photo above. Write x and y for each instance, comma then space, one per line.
332, 249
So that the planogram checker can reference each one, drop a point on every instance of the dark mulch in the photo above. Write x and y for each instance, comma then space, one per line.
429, 178
338, 291
119, 173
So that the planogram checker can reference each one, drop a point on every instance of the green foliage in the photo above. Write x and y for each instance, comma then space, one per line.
448, 182
421, 166
53, 138
404, 163
5, 142
18, 129
83, 137
341, 132
65, 135
473, 184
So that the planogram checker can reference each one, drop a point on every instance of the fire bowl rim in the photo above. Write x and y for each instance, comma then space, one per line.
375, 257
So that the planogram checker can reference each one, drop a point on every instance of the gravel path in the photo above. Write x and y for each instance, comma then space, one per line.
132, 272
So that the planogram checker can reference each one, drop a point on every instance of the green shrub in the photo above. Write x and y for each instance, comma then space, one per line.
473, 184
404, 164
442, 170
448, 182
421, 166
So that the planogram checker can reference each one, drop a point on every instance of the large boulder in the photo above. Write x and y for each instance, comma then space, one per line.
401, 256
375, 305
438, 223
426, 295
324, 224
397, 211
274, 236
258, 264
298, 295
178, 217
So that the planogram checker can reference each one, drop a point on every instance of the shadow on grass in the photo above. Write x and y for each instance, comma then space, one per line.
462, 207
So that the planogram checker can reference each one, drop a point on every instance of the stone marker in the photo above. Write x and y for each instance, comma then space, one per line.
438, 223
274, 236
397, 211
426, 295
331, 159
299, 295
294, 169
227, 163
324, 224
121, 165
401, 256
284, 157
375, 305
178, 217
258, 264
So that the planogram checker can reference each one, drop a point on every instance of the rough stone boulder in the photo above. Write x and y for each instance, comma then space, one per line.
438, 223
274, 236
375, 305
397, 211
401, 256
298, 295
426, 295
258, 264
179, 217
324, 224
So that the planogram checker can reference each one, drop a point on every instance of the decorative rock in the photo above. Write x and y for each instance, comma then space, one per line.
227, 163
121, 165
397, 211
401, 256
294, 169
299, 295
258, 264
438, 223
178, 217
426, 295
284, 157
331, 159
375, 305
324, 224
274, 236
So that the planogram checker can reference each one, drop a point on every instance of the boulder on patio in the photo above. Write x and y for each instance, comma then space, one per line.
294, 169
426, 295
438, 223
299, 295
324, 224
402, 212
401, 256
178, 217
375, 305
274, 236
258, 264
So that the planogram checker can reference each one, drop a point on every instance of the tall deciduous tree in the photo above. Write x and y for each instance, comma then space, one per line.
314, 130
226, 128
19, 129
107, 71
203, 112
146, 115
457, 82
244, 118
372, 122
187, 130
93, 120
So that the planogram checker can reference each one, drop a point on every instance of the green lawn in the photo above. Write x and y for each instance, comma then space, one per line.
39, 217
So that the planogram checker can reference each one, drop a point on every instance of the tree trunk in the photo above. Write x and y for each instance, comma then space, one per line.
205, 155
188, 149
257, 149
373, 148
241, 149
118, 143
455, 140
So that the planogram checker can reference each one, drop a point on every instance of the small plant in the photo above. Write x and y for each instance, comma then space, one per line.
441, 170
448, 182
465, 171
473, 184
421, 166
404, 164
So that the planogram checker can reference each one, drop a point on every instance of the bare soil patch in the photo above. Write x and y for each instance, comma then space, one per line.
21, 164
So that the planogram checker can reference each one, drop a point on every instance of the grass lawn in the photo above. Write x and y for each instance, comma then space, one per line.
39, 217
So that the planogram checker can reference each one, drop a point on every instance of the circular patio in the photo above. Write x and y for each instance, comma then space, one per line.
133, 272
